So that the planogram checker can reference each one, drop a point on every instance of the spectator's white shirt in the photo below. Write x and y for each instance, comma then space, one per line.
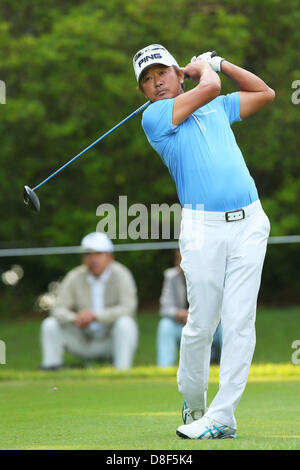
97, 287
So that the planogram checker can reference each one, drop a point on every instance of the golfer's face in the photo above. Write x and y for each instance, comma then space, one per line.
96, 263
160, 82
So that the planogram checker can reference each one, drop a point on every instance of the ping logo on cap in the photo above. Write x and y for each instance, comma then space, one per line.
152, 57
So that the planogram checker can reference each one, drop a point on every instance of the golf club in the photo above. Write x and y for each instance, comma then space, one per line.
31, 200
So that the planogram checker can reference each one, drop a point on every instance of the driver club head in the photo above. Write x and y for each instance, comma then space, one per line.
31, 200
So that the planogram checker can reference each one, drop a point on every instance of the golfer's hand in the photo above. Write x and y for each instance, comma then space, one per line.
84, 318
195, 69
215, 62
181, 316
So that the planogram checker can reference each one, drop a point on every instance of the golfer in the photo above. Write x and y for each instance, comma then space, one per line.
224, 230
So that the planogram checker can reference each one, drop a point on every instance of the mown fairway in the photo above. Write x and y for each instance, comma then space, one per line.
100, 408
121, 411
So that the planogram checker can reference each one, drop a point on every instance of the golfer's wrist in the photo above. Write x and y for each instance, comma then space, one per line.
226, 67
205, 67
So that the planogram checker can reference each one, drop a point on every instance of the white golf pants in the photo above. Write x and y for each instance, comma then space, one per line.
222, 262
120, 344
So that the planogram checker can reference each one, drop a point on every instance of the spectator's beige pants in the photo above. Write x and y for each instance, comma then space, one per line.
120, 344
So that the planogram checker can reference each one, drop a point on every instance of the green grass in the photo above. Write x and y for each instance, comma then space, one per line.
136, 414
101, 408
275, 330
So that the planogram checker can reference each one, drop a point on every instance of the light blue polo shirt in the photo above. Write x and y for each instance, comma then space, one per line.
201, 153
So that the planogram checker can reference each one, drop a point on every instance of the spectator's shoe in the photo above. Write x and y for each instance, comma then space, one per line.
188, 416
205, 428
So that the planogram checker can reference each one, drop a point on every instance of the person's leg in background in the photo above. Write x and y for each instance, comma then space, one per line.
56, 338
168, 339
124, 338
52, 343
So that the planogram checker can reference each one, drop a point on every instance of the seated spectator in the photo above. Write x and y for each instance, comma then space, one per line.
174, 313
94, 314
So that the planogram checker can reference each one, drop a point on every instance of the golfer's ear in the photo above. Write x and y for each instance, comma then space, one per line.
181, 76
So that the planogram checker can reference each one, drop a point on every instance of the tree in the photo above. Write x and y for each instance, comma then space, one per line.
69, 78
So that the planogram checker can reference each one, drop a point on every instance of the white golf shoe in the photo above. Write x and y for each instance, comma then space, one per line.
205, 428
188, 416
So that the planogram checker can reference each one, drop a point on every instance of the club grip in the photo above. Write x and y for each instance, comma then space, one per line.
213, 54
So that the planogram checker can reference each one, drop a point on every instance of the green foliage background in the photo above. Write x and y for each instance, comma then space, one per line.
68, 72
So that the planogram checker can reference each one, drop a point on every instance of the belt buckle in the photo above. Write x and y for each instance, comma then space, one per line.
232, 216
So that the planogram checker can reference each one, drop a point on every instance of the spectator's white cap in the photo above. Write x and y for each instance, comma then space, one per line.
151, 55
97, 242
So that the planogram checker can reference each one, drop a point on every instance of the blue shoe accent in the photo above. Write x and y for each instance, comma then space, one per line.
186, 412
218, 434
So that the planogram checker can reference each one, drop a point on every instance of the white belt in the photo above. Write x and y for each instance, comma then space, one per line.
229, 216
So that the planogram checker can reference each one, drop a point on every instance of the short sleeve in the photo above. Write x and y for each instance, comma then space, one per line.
157, 120
231, 103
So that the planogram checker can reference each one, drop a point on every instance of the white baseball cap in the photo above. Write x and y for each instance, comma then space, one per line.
97, 242
150, 55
